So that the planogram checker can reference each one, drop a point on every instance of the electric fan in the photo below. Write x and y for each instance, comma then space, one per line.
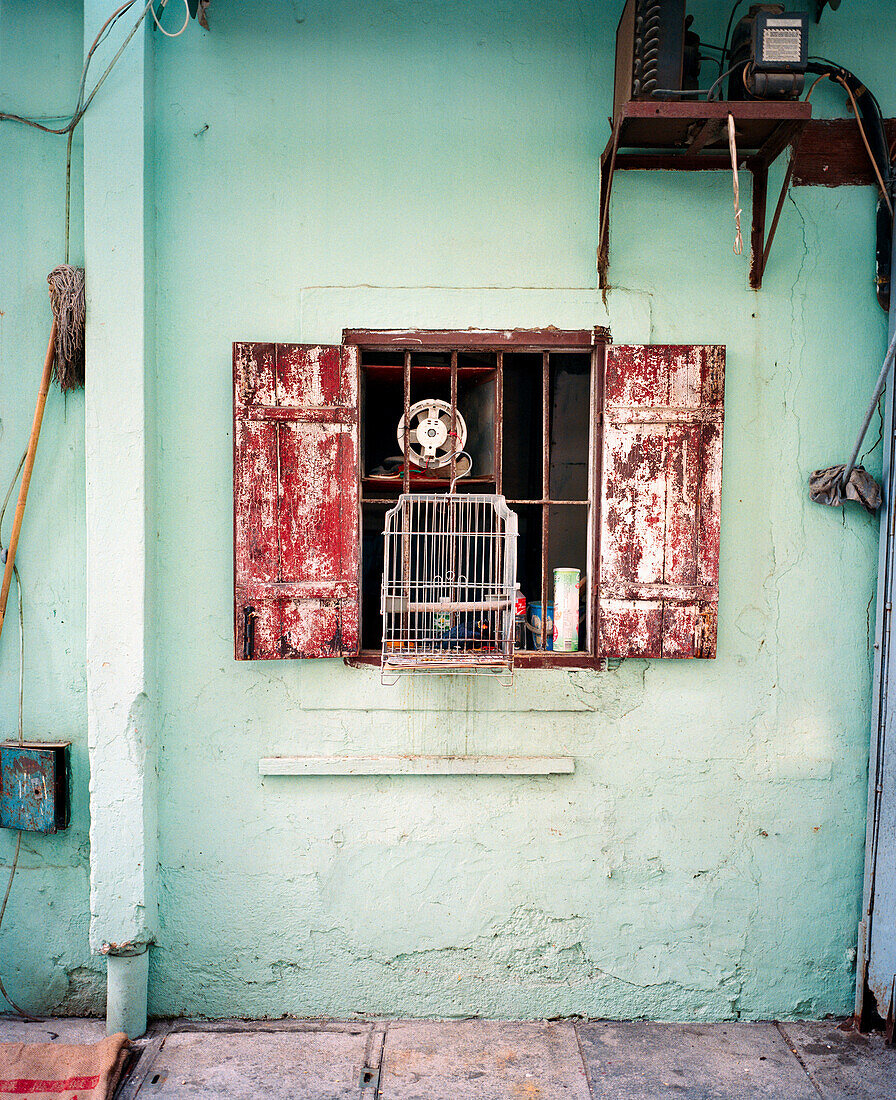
431, 442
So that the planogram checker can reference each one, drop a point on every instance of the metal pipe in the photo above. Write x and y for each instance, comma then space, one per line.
878, 747
127, 978
878, 390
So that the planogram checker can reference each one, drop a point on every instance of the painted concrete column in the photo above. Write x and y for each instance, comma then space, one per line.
121, 728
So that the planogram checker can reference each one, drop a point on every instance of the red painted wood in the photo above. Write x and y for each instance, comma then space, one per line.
476, 339
660, 506
830, 153
256, 552
296, 526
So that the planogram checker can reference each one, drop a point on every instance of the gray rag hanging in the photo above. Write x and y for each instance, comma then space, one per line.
826, 487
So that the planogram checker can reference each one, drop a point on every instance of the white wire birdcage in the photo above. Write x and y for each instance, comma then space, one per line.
448, 585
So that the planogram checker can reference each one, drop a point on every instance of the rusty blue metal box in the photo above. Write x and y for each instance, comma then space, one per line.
34, 782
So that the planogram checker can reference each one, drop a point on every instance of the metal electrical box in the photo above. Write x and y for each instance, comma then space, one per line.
34, 785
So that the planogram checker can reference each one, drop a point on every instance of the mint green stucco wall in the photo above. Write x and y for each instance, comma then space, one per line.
44, 959
704, 861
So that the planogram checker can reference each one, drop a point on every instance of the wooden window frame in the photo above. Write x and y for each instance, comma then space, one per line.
655, 437
545, 342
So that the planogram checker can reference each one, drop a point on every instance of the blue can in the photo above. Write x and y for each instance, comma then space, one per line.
535, 624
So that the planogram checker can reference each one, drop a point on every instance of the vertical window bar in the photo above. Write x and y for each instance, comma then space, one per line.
499, 425
406, 520
545, 488
406, 476
453, 415
419, 617
427, 589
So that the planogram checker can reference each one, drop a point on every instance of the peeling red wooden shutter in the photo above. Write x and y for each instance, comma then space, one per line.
658, 589
295, 492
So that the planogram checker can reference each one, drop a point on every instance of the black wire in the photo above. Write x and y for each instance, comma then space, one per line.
867, 105
726, 54
728, 72
720, 60
846, 72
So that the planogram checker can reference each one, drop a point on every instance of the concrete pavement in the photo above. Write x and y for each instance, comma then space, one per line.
491, 1060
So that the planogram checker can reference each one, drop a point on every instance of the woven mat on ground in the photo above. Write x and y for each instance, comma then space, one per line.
54, 1071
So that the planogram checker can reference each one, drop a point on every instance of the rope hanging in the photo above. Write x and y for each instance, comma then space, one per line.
732, 146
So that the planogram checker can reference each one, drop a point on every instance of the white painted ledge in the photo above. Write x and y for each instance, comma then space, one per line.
416, 765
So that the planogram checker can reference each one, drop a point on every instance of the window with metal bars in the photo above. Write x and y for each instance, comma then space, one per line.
610, 456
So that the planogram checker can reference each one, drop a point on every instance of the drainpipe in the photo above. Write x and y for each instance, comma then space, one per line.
127, 983
121, 718
881, 748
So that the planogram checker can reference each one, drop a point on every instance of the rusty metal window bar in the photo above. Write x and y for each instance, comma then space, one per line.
553, 510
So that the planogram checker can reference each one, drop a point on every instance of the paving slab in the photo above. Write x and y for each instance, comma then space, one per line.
843, 1064
648, 1061
71, 1030
482, 1060
241, 1064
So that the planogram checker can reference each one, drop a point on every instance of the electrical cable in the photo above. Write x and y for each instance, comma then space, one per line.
69, 129
843, 69
722, 76
74, 118
12, 485
170, 34
868, 108
726, 53
788, 175
871, 156
82, 109
15, 573
82, 104
101, 36
700, 91
12, 871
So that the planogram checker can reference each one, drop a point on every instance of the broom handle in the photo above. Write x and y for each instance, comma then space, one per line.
26, 473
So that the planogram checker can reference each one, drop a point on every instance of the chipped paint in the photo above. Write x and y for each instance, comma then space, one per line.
704, 860
296, 535
660, 501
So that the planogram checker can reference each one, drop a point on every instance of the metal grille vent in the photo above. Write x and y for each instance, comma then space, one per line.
448, 585
648, 26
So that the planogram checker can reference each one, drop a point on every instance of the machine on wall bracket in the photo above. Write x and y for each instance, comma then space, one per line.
692, 136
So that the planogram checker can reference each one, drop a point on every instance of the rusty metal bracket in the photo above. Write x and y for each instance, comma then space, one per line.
684, 137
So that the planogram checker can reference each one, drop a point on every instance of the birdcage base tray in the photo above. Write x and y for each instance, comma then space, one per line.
456, 664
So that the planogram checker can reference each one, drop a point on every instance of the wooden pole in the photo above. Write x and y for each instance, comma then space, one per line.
26, 473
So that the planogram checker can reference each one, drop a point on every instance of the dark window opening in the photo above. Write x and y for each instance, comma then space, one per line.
529, 434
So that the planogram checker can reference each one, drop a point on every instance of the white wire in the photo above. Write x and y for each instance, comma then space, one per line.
170, 34
732, 146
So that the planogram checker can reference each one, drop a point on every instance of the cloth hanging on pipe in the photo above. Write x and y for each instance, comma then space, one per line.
826, 487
